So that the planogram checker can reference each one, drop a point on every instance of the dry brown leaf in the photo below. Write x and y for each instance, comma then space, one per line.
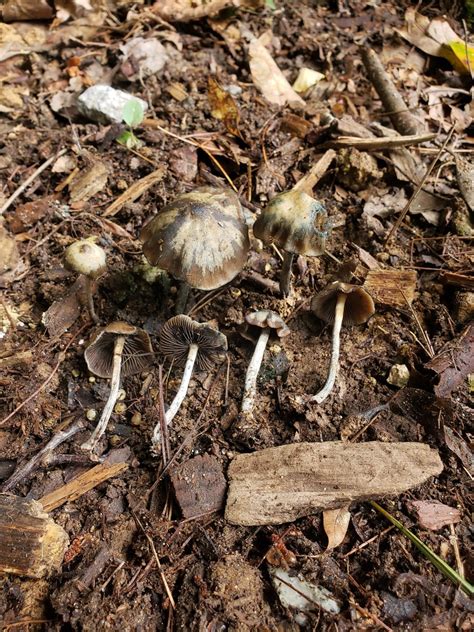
434, 515
268, 78
465, 178
14, 10
9, 255
454, 362
223, 107
184, 10
142, 57
336, 522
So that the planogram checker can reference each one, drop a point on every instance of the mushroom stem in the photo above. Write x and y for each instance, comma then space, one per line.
180, 395
250, 388
109, 405
336, 335
285, 275
90, 299
182, 297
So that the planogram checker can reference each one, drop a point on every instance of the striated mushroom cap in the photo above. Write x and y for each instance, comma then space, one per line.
85, 257
266, 318
179, 332
295, 222
200, 237
358, 308
136, 355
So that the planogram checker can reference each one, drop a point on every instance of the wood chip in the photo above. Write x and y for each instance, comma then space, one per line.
199, 486
392, 287
88, 182
81, 484
132, 193
278, 485
378, 144
454, 362
455, 278
31, 543
434, 515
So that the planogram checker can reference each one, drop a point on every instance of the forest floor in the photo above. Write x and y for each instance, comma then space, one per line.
212, 121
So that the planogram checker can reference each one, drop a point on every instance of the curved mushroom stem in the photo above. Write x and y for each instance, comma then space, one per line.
250, 388
90, 299
180, 395
182, 297
109, 405
333, 367
285, 275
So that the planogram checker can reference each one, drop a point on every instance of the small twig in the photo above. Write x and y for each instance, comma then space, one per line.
429, 346
369, 615
25, 470
314, 175
454, 542
367, 542
407, 206
165, 439
61, 358
377, 144
29, 180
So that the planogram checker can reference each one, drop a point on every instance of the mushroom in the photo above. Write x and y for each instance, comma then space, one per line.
297, 223
188, 343
340, 303
116, 351
201, 238
88, 259
268, 323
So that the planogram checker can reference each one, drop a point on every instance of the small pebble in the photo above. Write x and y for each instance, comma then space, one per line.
136, 419
91, 414
92, 379
399, 375
104, 104
75, 373
120, 408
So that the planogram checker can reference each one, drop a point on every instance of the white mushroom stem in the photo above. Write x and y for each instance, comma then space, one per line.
114, 391
336, 337
250, 388
180, 395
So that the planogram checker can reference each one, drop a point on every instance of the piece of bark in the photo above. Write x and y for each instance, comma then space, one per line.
199, 486
278, 485
137, 189
31, 543
455, 278
391, 287
81, 484
454, 362
433, 515
403, 120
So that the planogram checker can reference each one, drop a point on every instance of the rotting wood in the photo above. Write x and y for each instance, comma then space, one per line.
455, 278
391, 287
135, 191
81, 484
281, 484
31, 543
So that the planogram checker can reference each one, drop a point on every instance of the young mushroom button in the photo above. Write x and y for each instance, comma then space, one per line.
297, 223
201, 238
267, 322
340, 303
188, 343
88, 259
116, 351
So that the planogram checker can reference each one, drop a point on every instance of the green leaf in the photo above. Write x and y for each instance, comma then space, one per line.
270, 4
129, 140
437, 561
132, 113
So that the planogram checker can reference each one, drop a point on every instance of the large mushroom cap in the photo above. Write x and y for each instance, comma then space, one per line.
200, 237
179, 332
358, 308
266, 318
295, 222
137, 351
85, 257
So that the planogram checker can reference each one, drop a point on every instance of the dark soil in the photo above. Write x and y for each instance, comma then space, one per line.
217, 573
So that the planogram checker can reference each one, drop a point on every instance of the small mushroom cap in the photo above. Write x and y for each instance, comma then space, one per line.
85, 257
358, 308
265, 318
295, 222
201, 237
179, 332
137, 351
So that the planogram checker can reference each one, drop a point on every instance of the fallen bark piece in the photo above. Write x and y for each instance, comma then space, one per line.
199, 486
134, 191
391, 287
278, 485
454, 362
81, 484
434, 515
31, 543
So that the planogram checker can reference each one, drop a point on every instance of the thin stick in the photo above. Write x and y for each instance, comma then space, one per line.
407, 206
285, 274
250, 388
336, 337
110, 403
29, 180
314, 175
25, 470
165, 443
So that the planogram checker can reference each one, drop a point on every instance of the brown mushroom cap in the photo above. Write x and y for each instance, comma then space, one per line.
266, 318
358, 308
295, 222
136, 355
179, 332
200, 237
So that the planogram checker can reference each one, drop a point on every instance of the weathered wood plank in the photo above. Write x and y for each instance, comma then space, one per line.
278, 485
